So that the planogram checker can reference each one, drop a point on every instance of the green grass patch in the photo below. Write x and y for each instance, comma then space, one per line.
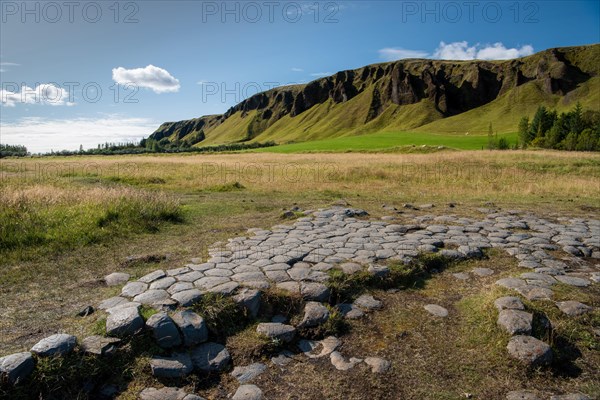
400, 141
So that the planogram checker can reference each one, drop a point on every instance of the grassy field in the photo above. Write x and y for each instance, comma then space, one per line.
67, 222
391, 141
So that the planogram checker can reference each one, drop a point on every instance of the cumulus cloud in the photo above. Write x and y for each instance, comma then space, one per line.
41, 135
398, 53
44, 93
154, 78
496, 51
459, 51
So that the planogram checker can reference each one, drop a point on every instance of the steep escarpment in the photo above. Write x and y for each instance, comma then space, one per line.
405, 94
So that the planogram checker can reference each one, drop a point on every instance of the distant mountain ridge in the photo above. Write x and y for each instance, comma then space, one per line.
416, 94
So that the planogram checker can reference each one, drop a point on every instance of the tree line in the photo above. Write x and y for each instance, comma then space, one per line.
576, 130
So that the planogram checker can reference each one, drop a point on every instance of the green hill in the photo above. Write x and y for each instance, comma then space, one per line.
456, 98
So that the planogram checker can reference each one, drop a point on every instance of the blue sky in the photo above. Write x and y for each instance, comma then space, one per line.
183, 59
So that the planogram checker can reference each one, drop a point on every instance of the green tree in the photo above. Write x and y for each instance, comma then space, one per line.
524, 131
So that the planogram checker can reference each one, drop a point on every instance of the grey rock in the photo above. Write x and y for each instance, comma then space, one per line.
531, 292
176, 366
163, 283
164, 330
350, 268
283, 358
314, 291
226, 288
55, 345
436, 310
210, 357
340, 363
570, 396
116, 278
152, 276
573, 308
378, 365
315, 314
180, 287
187, 297
461, 276
509, 303
192, 327
167, 393
133, 289
276, 331
112, 302
515, 322
573, 280
210, 282
482, 271
99, 345
350, 311
248, 373
16, 367
522, 395
152, 297
470, 251
367, 303
529, 351
124, 322
249, 299
248, 392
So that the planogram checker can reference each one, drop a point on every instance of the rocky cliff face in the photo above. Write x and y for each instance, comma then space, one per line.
453, 87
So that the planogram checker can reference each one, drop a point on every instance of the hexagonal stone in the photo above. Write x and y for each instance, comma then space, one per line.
315, 314
178, 271
164, 330
530, 351
180, 287
133, 289
55, 345
16, 367
515, 322
112, 302
192, 327
436, 310
176, 366
190, 276
226, 288
187, 297
573, 280
163, 283
534, 276
248, 392
367, 303
152, 276
314, 291
531, 292
470, 251
378, 365
249, 372
275, 330
124, 322
248, 299
210, 357
509, 303
209, 282
99, 345
573, 308
150, 297
290, 286
116, 279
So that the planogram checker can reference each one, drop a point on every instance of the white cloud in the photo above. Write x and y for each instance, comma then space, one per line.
9, 64
459, 51
397, 53
462, 51
45, 94
41, 135
157, 79
295, 69
320, 74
